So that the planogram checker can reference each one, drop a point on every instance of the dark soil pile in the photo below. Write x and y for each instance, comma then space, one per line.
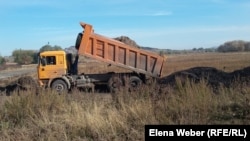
212, 76
22, 84
242, 76
27, 82
127, 40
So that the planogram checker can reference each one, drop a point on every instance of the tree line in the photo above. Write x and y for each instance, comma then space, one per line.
30, 56
23, 57
234, 46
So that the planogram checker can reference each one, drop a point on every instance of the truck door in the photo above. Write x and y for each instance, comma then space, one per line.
51, 67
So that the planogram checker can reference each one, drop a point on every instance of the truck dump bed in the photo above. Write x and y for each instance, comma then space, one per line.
118, 53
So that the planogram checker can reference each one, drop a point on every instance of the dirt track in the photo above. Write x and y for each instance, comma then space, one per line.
18, 72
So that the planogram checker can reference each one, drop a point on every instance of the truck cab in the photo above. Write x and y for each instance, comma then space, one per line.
52, 65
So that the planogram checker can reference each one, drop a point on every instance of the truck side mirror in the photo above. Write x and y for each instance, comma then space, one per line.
43, 61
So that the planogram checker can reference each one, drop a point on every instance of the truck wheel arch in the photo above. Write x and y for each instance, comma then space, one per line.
63, 78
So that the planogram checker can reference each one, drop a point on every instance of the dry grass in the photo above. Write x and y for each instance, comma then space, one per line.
89, 116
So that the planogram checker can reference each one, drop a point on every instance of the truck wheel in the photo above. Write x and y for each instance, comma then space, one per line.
114, 84
59, 86
134, 83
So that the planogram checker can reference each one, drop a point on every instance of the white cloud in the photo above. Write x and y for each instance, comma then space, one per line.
206, 29
218, 1
161, 13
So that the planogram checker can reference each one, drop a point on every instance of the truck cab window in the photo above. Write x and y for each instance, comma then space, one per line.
51, 60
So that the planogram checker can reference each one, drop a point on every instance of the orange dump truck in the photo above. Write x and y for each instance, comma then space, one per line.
57, 70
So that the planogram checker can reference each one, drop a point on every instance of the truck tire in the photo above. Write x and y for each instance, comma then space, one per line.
78, 41
134, 83
114, 84
59, 86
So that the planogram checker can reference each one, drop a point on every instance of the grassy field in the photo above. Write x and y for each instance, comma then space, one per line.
81, 116
227, 62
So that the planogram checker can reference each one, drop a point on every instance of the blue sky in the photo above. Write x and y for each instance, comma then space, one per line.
169, 24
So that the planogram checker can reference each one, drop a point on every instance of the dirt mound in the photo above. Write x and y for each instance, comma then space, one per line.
27, 82
22, 84
212, 76
127, 40
242, 76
